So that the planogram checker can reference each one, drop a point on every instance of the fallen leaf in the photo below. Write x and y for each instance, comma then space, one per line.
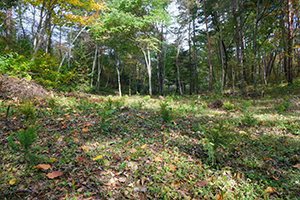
133, 150
269, 190
269, 159
254, 137
242, 132
201, 183
144, 146
55, 174
84, 148
172, 167
220, 196
158, 159
238, 148
12, 181
98, 157
43, 166
127, 158
297, 166
79, 159
274, 178
128, 143
85, 129
176, 159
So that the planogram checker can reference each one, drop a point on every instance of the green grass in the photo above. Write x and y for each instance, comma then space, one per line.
142, 156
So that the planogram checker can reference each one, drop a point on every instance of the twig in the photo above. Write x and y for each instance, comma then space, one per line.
17, 191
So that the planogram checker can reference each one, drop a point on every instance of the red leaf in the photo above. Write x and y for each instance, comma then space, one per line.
79, 159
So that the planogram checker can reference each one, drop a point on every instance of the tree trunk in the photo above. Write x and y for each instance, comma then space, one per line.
178, 71
119, 81
148, 65
237, 42
8, 27
194, 56
255, 48
209, 56
94, 65
290, 43
99, 70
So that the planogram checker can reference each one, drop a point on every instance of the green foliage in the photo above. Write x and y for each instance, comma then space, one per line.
228, 106
28, 110
165, 111
284, 106
52, 103
14, 64
248, 118
216, 136
26, 138
246, 104
147, 98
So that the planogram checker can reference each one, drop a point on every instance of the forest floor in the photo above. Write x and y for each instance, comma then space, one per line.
196, 147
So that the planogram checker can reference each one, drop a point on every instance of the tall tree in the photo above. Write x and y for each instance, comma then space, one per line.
209, 53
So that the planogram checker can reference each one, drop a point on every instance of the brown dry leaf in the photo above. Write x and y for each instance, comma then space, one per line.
172, 167
158, 159
297, 166
84, 148
254, 137
84, 130
274, 178
55, 174
133, 150
128, 143
143, 180
237, 148
269, 190
220, 196
201, 183
12, 181
43, 166
144, 146
176, 159
79, 159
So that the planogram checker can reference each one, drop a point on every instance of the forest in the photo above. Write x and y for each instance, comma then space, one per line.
149, 99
